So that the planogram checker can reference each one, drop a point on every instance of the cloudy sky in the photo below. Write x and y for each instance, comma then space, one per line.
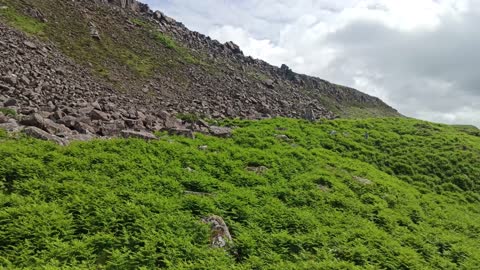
420, 56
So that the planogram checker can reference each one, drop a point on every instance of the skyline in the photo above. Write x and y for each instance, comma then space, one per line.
417, 56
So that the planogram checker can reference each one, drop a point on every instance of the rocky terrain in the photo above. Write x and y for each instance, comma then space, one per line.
80, 69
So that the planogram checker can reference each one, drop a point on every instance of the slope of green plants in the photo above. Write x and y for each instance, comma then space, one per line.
295, 195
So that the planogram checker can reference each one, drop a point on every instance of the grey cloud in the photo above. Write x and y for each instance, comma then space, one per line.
431, 74
428, 72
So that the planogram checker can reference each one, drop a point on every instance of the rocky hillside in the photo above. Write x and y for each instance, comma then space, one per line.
102, 67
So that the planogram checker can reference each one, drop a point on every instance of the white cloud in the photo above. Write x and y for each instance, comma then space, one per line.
420, 56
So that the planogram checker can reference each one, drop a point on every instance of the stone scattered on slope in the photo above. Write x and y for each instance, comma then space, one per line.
223, 132
220, 236
3, 118
138, 134
43, 135
363, 181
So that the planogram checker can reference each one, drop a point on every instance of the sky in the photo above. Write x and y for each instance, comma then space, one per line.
419, 56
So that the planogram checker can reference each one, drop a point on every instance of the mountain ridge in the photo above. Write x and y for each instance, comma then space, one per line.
152, 64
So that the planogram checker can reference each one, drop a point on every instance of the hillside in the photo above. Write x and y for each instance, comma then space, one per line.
294, 195
227, 162
63, 58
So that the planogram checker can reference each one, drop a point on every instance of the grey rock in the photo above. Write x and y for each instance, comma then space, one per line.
11, 79
30, 45
269, 83
220, 237
99, 115
10, 102
37, 120
361, 180
182, 132
258, 170
3, 118
11, 126
223, 132
138, 134
43, 135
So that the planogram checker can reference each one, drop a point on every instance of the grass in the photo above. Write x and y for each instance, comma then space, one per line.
166, 41
8, 112
121, 204
24, 23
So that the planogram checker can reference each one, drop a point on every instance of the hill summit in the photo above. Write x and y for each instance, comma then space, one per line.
100, 67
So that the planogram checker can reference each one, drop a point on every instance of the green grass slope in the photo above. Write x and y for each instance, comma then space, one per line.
406, 197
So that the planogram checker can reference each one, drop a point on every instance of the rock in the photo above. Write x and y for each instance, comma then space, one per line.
138, 134
309, 115
99, 115
203, 123
11, 125
269, 83
30, 45
173, 123
363, 181
282, 137
94, 31
83, 128
112, 128
42, 135
10, 102
220, 235
257, 170
3, 118
45, 124
223, 132
234, 48
182, 132
11, 79
203, 147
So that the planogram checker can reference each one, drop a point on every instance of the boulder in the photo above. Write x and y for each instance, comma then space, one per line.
223, 132
363, 181
182, 132
30, 45
42, 135
11, 125
309, 115
99, 115
258, 170
269, 83
138, 134
37, 120
3, 118
220, 235
11, 79
234, 48
10, 102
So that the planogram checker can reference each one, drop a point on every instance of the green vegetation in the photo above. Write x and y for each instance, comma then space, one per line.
166, 41
404, 197
24, 23
8, 111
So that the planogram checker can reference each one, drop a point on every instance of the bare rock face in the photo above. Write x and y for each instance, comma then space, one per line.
220, 236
